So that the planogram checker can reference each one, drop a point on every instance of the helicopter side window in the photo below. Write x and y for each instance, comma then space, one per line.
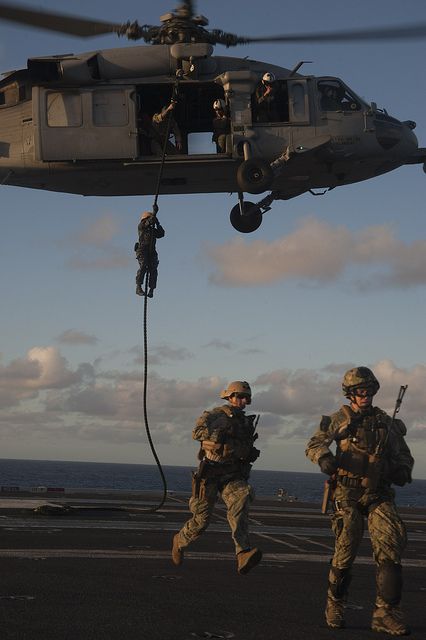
298, 100
9, 96
335, 97
110, 109
64, 109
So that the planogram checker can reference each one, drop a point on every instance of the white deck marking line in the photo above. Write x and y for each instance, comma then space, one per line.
286, 544
308, 540
290, 535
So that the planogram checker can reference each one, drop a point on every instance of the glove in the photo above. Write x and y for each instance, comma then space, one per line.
328, 464
401, 476
254, 454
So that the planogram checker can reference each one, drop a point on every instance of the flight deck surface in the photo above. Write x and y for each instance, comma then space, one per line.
99, 574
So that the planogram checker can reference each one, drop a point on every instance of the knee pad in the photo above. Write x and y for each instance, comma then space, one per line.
339, 580
389, 582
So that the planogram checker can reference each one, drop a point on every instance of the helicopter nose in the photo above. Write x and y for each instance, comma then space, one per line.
392, 134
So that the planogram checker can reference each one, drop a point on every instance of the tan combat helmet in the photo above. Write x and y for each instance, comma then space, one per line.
238, 386
146, 214
359, 377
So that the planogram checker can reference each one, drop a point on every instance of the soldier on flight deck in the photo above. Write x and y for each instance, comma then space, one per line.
226, 452
371, 454
149, 229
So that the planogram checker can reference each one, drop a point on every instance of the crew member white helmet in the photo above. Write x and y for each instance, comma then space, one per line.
219, 104
268, 77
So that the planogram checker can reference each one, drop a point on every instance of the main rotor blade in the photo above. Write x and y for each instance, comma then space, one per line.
56, 21
406, 32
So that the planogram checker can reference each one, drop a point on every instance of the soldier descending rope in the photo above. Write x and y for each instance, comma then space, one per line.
371, 454
149, 229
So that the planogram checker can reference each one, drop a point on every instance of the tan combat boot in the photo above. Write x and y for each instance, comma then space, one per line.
177, 552
338, 584
389, 619
334, 613
248, 559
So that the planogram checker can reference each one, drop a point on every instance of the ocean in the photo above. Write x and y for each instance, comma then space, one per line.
304, 487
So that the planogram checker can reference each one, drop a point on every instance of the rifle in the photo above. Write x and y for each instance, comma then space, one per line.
328, 496
375, 460
402, 390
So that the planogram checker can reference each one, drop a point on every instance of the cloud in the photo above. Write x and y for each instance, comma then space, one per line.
318, 253
42, 396
304, 395
100, 232
53, 369
111, 258
217, 344
74, 337
162, 354
42, 368
94, 249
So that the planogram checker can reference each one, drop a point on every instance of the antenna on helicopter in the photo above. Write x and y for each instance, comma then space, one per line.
297, 67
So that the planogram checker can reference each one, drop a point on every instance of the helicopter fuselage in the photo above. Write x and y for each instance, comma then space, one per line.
73, 124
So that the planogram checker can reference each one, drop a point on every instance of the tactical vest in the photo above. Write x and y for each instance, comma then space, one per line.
237, 438
361, 444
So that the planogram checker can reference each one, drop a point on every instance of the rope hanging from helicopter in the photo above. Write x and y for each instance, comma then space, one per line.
147, 283
151, 257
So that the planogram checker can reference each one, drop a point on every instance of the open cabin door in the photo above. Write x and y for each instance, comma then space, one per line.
85, 124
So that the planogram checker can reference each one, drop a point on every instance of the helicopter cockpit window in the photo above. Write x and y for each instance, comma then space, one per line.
64, 109
336, 97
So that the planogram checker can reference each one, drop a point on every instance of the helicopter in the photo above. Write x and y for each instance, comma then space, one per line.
78, 123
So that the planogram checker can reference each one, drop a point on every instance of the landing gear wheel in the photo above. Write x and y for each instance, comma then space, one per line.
254, 175
249, 221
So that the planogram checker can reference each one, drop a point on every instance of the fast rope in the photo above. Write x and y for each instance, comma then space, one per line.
145, 310
49, 509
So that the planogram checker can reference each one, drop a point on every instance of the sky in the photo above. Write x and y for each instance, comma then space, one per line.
325, 284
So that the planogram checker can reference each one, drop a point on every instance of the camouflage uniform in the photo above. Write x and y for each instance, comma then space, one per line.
149, 229
227, 436
162, 121
371, 453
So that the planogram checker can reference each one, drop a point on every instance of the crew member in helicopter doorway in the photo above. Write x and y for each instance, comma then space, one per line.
221, 125
162, 121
